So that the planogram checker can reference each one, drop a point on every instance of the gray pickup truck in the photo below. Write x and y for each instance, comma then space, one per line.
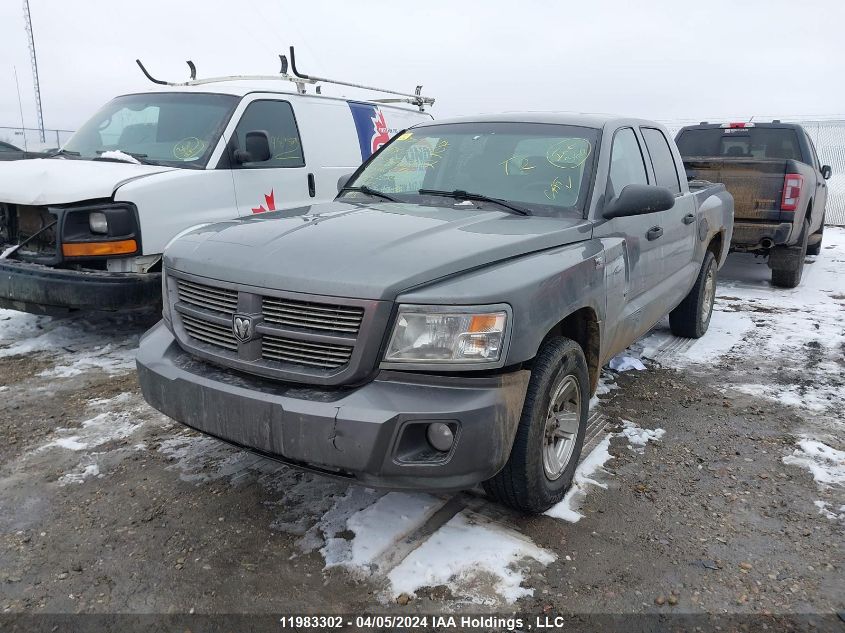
778, 184
444, 320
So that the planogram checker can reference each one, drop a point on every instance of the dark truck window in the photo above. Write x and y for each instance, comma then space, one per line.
748, 142
275, 118
665, 170
626, 163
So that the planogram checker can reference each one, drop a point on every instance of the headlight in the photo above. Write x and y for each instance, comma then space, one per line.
98, 222
427, 334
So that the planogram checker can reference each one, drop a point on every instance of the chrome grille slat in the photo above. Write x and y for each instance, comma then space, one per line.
314, 316
218, 299
209, 332
305, 352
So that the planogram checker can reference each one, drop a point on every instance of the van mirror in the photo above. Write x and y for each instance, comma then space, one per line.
343, 181
256, 148
638, 200
827, 172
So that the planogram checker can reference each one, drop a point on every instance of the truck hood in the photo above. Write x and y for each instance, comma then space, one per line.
43, 181
364, 251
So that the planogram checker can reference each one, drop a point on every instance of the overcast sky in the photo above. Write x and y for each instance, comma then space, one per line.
666, 59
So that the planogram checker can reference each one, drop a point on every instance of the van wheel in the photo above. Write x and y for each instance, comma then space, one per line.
815, 249
551, 430
692, 316
788, 274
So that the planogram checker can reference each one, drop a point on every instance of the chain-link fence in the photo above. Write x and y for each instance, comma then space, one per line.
829, 138
30, 138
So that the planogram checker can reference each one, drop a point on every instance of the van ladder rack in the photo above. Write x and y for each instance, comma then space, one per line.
298, 78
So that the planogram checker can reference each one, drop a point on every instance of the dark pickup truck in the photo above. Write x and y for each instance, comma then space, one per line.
444, 320
777, 182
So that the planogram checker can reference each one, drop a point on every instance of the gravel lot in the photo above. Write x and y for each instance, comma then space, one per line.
734, 504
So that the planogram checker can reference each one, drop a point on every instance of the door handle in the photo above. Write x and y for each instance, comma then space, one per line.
654, 233
312, 186
689, 218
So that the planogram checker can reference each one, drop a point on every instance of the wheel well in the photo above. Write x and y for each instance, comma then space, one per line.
582, 326
716, 245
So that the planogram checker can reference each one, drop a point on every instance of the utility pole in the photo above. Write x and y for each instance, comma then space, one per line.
31, 39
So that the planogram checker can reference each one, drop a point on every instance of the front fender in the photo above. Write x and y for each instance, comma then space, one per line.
542, 289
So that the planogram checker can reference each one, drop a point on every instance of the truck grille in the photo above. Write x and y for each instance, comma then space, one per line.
38, 225
326, 355
293, 337
202, 296
312, 316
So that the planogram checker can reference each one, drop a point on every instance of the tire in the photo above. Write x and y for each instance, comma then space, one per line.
815, 249
692, 316
791, 277
544, 454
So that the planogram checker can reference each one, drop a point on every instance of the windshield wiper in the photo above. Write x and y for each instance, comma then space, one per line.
63, 152
370, 192
141, 158
460, 194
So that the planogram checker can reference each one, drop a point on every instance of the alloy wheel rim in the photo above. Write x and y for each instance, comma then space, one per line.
709, 296
561, 428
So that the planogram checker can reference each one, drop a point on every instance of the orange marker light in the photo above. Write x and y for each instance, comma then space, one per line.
92, 249
484, 322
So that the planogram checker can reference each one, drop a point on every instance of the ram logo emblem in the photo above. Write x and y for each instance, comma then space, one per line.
242, 327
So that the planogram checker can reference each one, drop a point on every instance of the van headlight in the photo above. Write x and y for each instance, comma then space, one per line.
435, 335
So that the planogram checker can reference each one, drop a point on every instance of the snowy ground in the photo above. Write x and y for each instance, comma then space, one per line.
784, 347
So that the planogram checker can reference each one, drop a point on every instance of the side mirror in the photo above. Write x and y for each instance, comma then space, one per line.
638, 200
827, 172
257, 148
343, 181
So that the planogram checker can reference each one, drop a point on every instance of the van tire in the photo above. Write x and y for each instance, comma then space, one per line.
815, 249
692, 316
790, 276
559, 372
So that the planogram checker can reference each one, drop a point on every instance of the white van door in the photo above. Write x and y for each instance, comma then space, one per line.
283, 181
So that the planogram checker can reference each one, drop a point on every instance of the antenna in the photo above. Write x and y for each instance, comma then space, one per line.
31, 40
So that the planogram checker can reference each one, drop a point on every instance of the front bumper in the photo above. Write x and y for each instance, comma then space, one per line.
750, 235
361, 433
42, 289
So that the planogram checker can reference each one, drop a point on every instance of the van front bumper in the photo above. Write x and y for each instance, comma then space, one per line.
373, 434
42, 289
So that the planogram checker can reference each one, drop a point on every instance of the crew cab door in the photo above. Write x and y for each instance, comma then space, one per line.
632, 310
678, 224
282, 181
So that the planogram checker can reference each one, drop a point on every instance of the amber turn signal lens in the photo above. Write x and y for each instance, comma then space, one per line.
92, 249
484, 322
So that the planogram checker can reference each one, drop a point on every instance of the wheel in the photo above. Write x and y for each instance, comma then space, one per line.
692, 316
788, 275
815, 249
551, 430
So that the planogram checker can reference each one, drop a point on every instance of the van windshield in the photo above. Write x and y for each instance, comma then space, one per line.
544, 168
178, 129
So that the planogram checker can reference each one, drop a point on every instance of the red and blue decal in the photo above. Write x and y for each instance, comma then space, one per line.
371, 126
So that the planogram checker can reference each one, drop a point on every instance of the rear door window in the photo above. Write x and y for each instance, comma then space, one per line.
665, 169
276, 118
626, 162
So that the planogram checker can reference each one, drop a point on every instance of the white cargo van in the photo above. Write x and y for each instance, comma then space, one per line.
85, 228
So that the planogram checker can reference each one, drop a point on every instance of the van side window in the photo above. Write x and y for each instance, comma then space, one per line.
665, 169
276, 118
626, 163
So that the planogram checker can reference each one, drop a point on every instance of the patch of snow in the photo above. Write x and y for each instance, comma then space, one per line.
826, 464
379, 527
100, 429
91, 470
474, 557
626, 363
638, 437
110, 359
828, 514
116, 154
202, 458
605, 386
333, 521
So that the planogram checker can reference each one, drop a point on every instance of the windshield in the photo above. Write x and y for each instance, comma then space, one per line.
177, 129
748, 142
542, 167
